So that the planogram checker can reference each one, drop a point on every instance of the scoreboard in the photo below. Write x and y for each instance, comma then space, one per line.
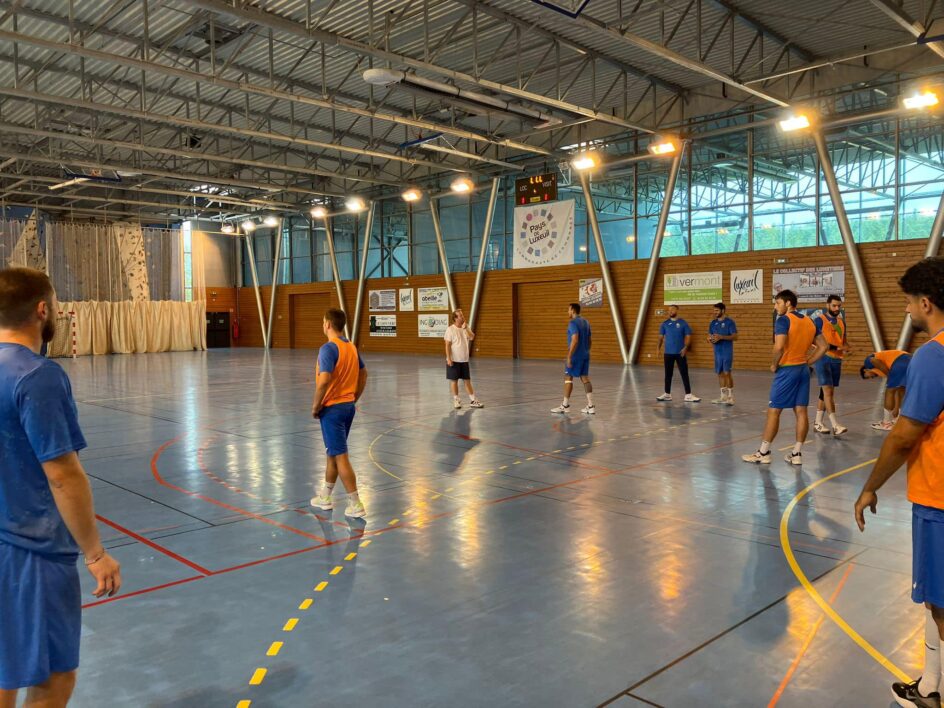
536, 189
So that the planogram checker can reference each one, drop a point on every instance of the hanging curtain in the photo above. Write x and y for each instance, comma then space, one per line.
27, 252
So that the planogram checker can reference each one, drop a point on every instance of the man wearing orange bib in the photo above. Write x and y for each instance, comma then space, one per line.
892, 365
829, 368
794, 337
340, 377
918, 438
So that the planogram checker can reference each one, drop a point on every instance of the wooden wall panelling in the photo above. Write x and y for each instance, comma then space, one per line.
220, 299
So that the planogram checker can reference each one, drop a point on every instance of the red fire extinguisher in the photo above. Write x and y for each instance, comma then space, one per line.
235, 324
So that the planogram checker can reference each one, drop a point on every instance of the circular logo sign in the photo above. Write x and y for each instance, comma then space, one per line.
542, 238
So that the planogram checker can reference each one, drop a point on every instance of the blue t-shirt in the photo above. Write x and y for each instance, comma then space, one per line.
38, 423
675, 332
924, 390
581, 328
724, 327
328, 357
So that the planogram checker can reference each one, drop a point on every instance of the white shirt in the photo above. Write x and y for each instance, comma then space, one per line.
458, 338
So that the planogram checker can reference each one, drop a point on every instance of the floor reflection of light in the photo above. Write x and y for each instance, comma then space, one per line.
468, 532
672, 572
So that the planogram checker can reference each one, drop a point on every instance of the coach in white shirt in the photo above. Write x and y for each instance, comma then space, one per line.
458, 335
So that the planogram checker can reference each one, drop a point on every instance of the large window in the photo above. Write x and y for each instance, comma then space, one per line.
188, 261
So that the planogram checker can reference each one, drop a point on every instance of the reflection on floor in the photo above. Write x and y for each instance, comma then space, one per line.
510, 557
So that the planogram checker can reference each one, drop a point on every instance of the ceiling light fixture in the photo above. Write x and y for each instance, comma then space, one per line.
921, 99
411, 194
795, 122
271, 221
663, 147
355, 204
318, 212
462, 185
586, 161
227, 228
248, 225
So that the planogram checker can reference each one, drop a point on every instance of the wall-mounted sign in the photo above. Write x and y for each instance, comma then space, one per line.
692, 288
591, 292
747, 286
433, 299
536, 189
544, 235
383, 325
382, 301
433, 325
406, 300
813, 284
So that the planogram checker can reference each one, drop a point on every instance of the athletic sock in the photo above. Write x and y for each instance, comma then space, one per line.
353, 498
590, 399
472, 397
724, 392
327, 490
888, 416
819, 417
456, 399
931, 678
566, 401
834, 420
797, 448
764, 447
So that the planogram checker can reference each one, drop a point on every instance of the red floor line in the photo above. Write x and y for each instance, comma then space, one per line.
143, 591
217, 502
156, 546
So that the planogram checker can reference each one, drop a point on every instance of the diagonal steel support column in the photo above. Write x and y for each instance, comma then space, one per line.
434, 212
604, 267
654, 256
362, 273
275, 283
933, 249
486, 239
848, 242
255, 286
329, 237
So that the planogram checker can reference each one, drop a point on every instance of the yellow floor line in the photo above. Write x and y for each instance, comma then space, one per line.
274, 649
350, 556
290, 625
257, 677
305, 604
321, 586
337, 569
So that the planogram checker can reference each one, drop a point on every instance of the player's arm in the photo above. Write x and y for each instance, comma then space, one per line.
780, 346
469, 332
661, 342
686, 345
361, 382
448, 353
879, 366
322, 382
820, 345
73, 497
574, 341
896, 450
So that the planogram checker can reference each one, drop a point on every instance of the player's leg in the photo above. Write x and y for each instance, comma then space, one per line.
668, 363
829, 393
7, 698
588, 390
686, 382
469, 389
771, 426
722, 379
730, 382
53, 693
452, 376
568, 389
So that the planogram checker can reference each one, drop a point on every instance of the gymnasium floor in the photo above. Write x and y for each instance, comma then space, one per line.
514, 558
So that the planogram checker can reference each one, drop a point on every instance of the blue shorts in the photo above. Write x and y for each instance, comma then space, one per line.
899, 371
828, 371
791, 387
40, 617
580, 367
723, 361
927, 555
336, 423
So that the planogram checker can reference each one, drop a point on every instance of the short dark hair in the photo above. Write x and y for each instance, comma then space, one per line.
21, 290
336, 318
720, 306
833, 297
925, 279
454, 314
862, 371
576, 307
787, 296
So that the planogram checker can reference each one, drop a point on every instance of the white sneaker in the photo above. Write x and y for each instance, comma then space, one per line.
589, 410
839, 430
758, 457
692, 398
882, 426
729, 401
794, 458
476, 404
456, 403
664, 397
322, 502
355, 510
561, 409
820, 428
720, 401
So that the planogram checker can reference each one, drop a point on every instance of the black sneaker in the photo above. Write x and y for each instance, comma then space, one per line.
907, 695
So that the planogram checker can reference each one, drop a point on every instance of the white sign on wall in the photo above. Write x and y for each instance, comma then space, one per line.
544, 235
383, 325
433, 325
692, 288
747, 286
406, 300
433, 299
382, 300
812, 284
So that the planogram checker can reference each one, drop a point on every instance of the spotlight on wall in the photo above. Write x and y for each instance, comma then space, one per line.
921, 99
795, 122
271, 221
248, 225
411, 194
318, 212
583, 249
586, 161
355, 204
462, 185
227, 228
663, 146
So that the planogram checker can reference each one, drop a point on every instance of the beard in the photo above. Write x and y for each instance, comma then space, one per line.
49, 330
919, 325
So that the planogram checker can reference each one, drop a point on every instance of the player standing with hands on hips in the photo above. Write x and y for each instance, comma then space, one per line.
458, 335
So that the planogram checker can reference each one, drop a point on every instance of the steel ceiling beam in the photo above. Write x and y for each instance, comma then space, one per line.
283, 24
763, 29
904, 20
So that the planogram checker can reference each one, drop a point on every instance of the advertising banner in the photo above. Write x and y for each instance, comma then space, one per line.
433, 299
812, 284
433, 325
406, 300
747, 286
544, 235
591, 292
382, 301
692, 288
383, 325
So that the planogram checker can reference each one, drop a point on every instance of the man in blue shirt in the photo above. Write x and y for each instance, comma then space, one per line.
46, 512
578, 360
675, 337
722, 333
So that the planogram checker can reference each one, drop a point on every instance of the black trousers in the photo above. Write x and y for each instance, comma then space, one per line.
670, 361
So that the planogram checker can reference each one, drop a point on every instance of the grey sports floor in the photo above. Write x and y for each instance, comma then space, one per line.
515, 558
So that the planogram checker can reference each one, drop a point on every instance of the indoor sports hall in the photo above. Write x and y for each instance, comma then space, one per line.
525, 214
